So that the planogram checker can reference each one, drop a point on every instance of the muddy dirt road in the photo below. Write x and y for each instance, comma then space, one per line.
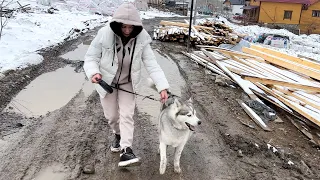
52, 126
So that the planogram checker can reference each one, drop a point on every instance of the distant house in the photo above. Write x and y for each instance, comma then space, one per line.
251, 10
310, 18
235, 5
157, 2
141, 5
303, 13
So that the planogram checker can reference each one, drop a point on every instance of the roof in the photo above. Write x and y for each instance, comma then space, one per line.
309, 2
249, 7
237, 2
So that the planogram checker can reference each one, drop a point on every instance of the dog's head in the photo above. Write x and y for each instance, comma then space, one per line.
182, 113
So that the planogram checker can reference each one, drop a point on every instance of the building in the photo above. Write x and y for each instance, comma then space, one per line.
304, 14
234, 5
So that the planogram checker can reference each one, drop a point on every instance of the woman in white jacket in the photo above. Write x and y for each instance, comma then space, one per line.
116, 55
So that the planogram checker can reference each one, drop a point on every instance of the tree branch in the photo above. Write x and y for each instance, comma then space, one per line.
3, 18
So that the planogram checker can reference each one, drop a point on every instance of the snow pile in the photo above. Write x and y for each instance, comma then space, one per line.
22, 61
28, 32
152, 13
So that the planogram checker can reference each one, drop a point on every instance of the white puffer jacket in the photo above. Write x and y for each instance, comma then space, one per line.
101, 56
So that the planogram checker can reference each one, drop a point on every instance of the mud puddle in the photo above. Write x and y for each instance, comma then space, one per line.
49, 92
77, 54
176, 83
54, 172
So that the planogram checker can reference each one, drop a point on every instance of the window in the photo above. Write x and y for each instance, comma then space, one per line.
316, 13
287, 15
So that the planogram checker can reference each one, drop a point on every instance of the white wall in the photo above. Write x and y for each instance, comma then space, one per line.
236, 9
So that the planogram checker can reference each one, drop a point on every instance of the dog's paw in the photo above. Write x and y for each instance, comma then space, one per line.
177, 169
162, 170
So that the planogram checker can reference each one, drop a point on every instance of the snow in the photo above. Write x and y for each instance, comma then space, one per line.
152, 13
306, 45
290, 162
274, 150
26, 33
23, 60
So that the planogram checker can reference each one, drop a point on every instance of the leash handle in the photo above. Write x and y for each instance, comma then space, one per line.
109, 89
105, 86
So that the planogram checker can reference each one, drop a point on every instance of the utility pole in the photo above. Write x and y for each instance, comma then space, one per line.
190, 22
184, 4
195, 12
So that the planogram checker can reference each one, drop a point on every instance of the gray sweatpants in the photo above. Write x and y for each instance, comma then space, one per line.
119, 108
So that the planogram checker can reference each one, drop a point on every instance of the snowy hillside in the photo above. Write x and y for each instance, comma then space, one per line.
26, 33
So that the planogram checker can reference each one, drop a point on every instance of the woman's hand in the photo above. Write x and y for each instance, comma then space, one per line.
164, 96
95, 78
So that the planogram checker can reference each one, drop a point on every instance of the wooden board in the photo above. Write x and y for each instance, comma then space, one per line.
284, 63
242, 67
179, 24
231, 52
289, 75
306, 62
294, 113
309, 96
270, 70
308, 58
234, 70
232, 76
301, 98
301, 110
256, 65
248, 65
253, 115
205, 64
265, 80
293, 99
267, 98
202, 56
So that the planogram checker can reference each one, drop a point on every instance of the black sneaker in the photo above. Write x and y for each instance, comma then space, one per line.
127, 158
115, 146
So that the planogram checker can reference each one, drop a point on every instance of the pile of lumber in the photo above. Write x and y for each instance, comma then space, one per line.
200, 35
289, 82
217, 26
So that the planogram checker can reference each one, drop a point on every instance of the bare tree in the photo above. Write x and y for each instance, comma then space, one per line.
5, 14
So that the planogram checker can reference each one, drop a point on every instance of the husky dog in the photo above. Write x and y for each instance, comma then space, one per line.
177, 121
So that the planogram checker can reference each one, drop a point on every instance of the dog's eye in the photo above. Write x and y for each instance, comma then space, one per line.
189, 115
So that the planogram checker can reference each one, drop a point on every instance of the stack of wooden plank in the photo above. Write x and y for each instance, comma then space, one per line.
218, 26
288, 82
200, 35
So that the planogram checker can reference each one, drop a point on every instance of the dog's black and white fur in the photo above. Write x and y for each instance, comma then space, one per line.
177, 121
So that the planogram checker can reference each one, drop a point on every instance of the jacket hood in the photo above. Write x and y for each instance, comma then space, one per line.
126, 13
